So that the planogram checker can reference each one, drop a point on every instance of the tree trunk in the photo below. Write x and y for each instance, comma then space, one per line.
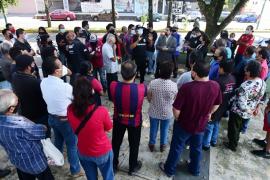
169, 13
46, 3
113, 14
3, 12
150, 12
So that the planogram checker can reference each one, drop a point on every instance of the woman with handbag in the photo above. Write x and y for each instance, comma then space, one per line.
90, 123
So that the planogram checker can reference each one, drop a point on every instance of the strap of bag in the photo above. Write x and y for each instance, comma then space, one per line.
85, 120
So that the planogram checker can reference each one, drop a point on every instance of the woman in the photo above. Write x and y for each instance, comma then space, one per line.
95, 150
161, 94
203, 47
42, 37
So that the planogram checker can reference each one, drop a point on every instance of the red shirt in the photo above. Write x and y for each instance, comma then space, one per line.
96, 85
264, 71
128, 100
195, 101
245, 38
92, 140
97, 60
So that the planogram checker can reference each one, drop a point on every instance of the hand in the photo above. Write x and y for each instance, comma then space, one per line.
256, 112
139, 39
114, 47
165, 49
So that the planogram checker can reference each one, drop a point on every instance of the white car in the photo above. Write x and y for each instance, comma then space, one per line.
190, 16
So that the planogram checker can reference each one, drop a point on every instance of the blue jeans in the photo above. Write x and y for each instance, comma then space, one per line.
102, 75
164, 128
104, 163
245, 125
151, 61
5, 85
211, 133
179, 138
63, 133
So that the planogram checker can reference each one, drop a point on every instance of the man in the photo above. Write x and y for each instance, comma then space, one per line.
128, 100
138, 47
11, 28
243, 42
110, 61
61, 44
77, 53
177, 36
166, 46
192, 110
5, 65
27, 88
219, 55
21, 139
150, 48
8, 37
124, 32
261, 57
57, 108
22, 43
85, 31
128, 41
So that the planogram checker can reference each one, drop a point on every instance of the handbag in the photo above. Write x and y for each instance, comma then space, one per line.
85, 120
53, 155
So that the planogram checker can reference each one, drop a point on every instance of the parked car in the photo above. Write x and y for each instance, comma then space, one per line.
61, 14
223, 15
105, 15
247, 18
156, 17
190, 16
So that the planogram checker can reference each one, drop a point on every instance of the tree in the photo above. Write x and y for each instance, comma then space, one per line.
4, 4
150, 12
113, 14
212, 11
169, 12
47, 5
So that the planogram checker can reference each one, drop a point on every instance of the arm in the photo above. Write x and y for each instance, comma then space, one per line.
107, 122
135, 43
36, 132
158, 45
172, 48
176, 113
149, 93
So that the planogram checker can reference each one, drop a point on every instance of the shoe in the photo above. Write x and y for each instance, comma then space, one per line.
80, 174
136, 169
161, 167
227, 145
162, 148
4, 172
259, 142
148, 73
261, 153
213, 144
151, 147
205, 148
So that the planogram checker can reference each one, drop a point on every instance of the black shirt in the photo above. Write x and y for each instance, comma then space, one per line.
61, 37
151, 48
140, 50
22, 46
27, 88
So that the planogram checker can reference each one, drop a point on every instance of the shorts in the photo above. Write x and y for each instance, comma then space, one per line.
266, 125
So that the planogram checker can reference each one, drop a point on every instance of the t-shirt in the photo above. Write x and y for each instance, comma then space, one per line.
151, 48
61, 37
22, 46
195, 101
184, 78
92, 139
96, 59
163, 94
264, 70
246, 38
128, 100
140, 50
107, 54
127, 42
213, 73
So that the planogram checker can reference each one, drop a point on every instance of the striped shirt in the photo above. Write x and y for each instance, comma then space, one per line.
128, 101
21, 139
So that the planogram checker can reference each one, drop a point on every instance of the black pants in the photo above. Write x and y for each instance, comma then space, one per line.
44, 120
45, 175
110, 78
141, 66
235, 125
175, 67
134, 137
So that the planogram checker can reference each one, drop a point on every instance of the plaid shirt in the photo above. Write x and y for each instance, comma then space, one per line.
21, 139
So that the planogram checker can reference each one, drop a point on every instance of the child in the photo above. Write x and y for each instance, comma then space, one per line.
227, 85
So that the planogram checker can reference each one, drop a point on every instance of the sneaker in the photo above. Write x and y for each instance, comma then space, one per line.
80, 174
205, 148
151, 147
4, 172
161, 167
162, 148
227, 145
261, 153
259, 142
136, 169
213, 144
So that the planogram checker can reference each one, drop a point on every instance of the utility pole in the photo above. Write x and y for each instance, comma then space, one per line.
259, 20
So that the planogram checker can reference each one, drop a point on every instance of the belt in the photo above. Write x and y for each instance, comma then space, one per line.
61, 118
126, 115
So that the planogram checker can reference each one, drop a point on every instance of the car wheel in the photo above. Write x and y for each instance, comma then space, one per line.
157, 19
68, 18
95, 18
183, 19
197, 19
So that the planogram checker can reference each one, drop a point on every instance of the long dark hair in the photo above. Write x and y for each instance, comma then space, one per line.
82, 96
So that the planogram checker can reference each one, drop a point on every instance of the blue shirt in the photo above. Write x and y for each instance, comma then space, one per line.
213, 73
178, 39
21, 140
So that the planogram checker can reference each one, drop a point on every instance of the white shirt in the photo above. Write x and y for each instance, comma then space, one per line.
57, 95
107, 54
11, 42
184, 78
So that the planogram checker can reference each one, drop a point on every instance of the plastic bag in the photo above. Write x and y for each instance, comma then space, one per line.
53, 155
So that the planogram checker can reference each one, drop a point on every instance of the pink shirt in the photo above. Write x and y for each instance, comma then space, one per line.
264, 70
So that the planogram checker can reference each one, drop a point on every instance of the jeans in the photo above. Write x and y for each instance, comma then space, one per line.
235, 125
211, 133
5, 85
110, 78
104, 163
179, 138
45, 175
164, 128
134, 137
245, 125
102, 75
63, 133
151, 61
238, 58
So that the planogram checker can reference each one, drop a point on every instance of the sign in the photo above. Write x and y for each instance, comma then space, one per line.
125, 6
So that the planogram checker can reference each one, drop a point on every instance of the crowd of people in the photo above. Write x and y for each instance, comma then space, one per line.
81, 67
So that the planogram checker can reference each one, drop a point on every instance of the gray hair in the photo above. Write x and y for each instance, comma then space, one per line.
7, 99
221, 42
5, 47
110, 37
